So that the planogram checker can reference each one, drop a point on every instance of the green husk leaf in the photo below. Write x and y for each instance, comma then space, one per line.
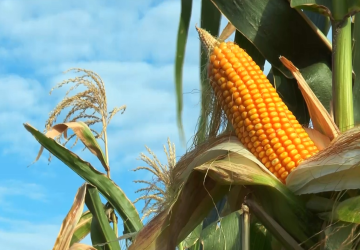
85, 170
184, 22
101, 230
207, 178
335, 168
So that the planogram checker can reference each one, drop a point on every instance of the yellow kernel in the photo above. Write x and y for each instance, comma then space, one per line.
288, 142
290, 147
284, 175
261, 152
274, 140
269, 151
275, 161
293, 152
283, 155
286, 160
272, 156
280, 150
277, 167
281, 170
297, 157
290, 165
265, 143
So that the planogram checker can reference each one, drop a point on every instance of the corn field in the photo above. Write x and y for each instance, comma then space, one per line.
275, 159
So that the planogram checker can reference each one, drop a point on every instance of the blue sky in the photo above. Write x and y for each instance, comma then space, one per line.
131, 45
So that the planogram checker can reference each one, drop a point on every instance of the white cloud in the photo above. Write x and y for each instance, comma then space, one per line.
22, 234
11, 188
42, 33
22, 100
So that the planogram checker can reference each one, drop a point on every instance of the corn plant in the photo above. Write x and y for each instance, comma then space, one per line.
276, 169
89, 118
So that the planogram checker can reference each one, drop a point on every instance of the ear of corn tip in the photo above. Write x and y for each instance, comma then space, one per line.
262, 121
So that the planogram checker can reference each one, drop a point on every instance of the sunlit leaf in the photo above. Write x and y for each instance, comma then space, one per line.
82, 228
69, 223
84, 133
101, 231
85, 170
80, 246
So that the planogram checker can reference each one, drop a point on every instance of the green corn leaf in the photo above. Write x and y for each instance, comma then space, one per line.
101, 231
106, 187
193, 237
224, 233
186, 6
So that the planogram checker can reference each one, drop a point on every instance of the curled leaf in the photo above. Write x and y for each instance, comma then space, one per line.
84, 133
334, 168
320, 118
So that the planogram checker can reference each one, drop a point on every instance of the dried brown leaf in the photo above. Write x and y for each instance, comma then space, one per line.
227, 32
321, 141
83, 132
80, 246
72, 218
320, 118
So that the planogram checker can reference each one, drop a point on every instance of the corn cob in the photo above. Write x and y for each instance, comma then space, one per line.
261, 120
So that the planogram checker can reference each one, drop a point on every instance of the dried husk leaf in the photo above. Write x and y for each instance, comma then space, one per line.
72, 218
321, 141
84, 133
335, 168
227, 32
320, 118
227, 163
80, 246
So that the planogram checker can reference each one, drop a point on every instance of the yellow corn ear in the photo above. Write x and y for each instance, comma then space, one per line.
262, 121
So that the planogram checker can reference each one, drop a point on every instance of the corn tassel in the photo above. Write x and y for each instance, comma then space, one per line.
262, 121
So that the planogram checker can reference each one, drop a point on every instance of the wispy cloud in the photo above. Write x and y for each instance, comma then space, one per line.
11, 188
